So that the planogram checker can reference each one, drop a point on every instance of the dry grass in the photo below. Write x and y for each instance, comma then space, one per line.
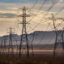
41, 59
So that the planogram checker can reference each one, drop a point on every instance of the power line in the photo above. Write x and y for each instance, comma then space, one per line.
43, 4
39, 9
50, 9
47, 10
54, 3
33, 5
35, 26
59, 11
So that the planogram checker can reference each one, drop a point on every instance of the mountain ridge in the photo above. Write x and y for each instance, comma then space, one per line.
40, 37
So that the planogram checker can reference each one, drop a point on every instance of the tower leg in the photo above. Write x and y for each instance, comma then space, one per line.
54, 52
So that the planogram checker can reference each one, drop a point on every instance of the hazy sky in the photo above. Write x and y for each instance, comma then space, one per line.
40, 11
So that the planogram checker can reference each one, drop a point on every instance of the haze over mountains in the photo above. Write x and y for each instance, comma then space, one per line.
40, 37
42, 40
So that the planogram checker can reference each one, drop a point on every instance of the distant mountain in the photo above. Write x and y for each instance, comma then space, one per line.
40, 37
42, 40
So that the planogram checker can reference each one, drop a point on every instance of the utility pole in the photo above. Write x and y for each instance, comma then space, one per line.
24, 36
10, 50
59, 37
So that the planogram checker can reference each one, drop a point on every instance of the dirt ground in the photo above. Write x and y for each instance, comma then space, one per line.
37, 59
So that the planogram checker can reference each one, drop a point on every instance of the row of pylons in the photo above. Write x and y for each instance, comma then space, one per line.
20, 49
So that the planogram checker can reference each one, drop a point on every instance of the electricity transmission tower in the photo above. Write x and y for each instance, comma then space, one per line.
59, 37
33, 35
1, 46
10, 47
4, 45
24, 36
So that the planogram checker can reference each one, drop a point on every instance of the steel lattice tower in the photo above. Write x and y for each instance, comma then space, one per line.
4, 43
10, 47
59, 40
24, 37
59, 37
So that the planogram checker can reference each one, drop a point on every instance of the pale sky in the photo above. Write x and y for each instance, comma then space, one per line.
39, 10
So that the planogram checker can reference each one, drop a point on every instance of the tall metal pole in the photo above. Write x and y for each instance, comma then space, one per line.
24, 33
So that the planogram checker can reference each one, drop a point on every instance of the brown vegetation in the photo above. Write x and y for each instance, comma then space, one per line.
38, 59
